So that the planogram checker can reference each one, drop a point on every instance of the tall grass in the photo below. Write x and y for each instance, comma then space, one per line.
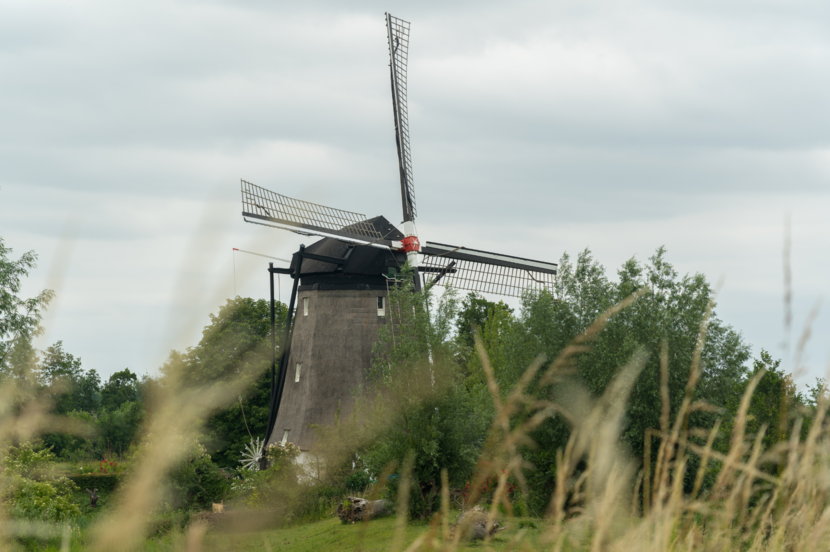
604, 499
613, 503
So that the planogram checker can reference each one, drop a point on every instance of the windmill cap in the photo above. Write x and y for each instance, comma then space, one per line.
360, 260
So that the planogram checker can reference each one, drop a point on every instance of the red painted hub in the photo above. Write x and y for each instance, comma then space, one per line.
411, 243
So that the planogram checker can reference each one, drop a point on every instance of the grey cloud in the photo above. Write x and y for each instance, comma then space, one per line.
526, 117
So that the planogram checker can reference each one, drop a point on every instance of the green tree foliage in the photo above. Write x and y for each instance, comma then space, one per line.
79, 445
58, 365
672, 310
417, 398
31, 490
277, 486
472, 314
197, 481
19, 318
119, 427
20, 364
236, 341
775, 403
121, 388
72, 387
72, 392
87, 392
114, 414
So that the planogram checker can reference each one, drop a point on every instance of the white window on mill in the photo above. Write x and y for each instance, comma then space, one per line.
285, 436
297, 373
305, 306
381, 306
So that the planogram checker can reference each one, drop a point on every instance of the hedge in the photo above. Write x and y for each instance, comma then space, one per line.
104, 482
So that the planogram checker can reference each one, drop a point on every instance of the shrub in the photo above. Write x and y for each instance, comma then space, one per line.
418, 402
197, 482
316, 502
43, 500
279, 480
28, 460
75, 447
281, 455
33, 492
357, 481
119, 427
109, 466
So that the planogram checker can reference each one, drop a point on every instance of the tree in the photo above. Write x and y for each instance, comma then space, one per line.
472, 314
474, 311
235, 342
71, 387
774, 400
121, 388
72, 391
58, 365
118, 427
116, 410
196, 481
87, 392
671, 311
19, 318
415, 401
20, 365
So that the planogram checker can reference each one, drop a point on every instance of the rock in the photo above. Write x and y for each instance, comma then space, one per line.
357, 509
473, 524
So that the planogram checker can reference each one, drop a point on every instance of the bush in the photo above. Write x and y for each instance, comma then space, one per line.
74, 447
420, 405
43, 500
120, 426
198, 482
357, 481
257, 487
282, 456
282, 487
33, 492
316, 502
28, 460
168, 522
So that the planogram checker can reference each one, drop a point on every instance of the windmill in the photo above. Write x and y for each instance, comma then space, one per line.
340, 282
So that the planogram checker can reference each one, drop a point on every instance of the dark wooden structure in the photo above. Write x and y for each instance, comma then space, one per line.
339, 308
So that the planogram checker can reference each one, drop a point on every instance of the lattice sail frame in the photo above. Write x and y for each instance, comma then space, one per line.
485, 278
484, 271
257, 202
398, 31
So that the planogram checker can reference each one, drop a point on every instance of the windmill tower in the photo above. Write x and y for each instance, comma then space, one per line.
338, 300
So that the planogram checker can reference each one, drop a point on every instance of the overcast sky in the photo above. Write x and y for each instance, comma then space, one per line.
537, 128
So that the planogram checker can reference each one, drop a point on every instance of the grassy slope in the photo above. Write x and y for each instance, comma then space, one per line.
321, 536
330, 534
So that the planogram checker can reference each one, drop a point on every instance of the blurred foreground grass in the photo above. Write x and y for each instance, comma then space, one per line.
329, 534
684, 493
604, 499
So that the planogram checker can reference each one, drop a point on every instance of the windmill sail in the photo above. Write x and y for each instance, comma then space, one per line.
483, 271
306, 217
398, 31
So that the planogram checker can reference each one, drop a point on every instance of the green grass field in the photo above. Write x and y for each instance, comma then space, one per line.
331, 534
